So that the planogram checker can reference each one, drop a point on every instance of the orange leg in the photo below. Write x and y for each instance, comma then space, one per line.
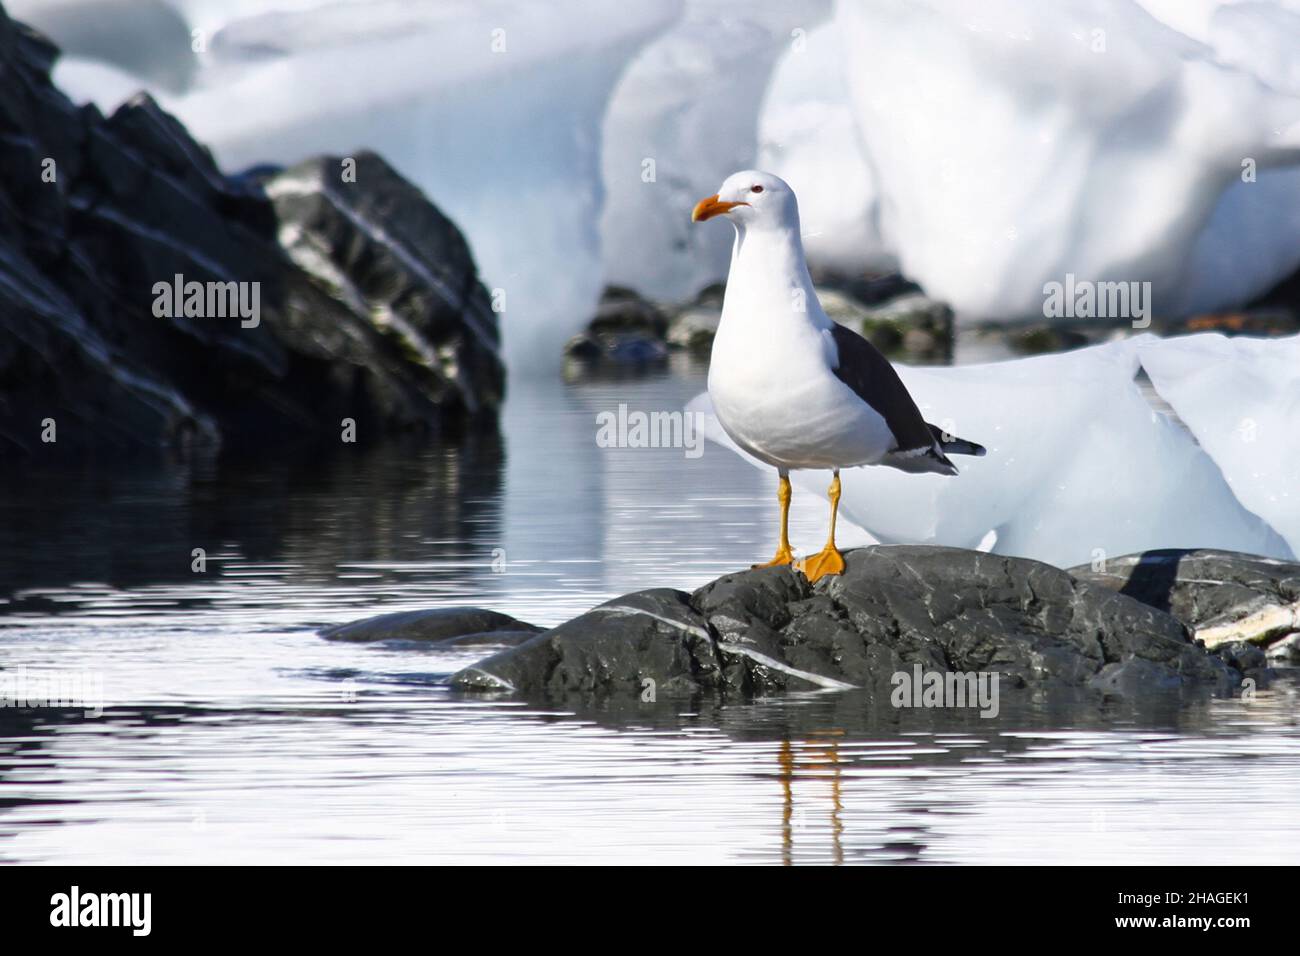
828, 560
784, 555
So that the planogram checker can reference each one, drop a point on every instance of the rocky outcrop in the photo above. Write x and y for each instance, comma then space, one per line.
1222, 597
403, 270
361, 299
895, 609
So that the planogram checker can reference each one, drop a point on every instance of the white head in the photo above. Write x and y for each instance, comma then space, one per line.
751, 199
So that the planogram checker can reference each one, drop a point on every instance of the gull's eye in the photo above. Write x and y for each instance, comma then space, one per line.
755, 189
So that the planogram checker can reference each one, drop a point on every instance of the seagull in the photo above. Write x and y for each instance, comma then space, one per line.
791, 387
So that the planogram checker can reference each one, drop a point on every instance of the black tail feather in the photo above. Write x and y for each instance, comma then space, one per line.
953, 445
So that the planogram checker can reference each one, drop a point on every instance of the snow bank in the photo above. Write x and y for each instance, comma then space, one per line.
1079, 466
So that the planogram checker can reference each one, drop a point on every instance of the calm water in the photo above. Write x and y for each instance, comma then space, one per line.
232, 733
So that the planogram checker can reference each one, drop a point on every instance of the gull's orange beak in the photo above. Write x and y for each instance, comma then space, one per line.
710, 207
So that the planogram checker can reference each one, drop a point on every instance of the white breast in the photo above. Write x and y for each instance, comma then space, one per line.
771, 378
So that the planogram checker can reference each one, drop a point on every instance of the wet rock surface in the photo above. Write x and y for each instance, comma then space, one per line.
449, 627
896, 609
368, 302
1220, 596
651, 635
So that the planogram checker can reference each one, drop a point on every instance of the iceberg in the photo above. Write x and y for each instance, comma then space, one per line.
807, 135
113, 33
684, 117
1254, 223
1080, 467
1259, 36
1015, 143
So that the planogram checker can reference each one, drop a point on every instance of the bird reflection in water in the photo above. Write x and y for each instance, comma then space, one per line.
819, 758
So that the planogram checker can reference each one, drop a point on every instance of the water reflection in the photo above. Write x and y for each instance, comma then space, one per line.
410, 772
815, 755
309, 514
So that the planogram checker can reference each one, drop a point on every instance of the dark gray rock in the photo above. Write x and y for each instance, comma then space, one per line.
452, 626
627, 331
868, 288
952, 610
382, 249
1220, 596
894, 608
623, 310
617, 647
489, 639
635, 349
384, 322
694, 328
1245, 657
910, 327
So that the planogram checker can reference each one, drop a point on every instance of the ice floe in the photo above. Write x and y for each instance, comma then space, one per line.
1240, 397
1080, 466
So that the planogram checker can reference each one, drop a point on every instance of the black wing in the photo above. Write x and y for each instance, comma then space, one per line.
863, 369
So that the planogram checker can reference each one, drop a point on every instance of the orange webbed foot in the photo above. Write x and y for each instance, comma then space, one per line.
824, 562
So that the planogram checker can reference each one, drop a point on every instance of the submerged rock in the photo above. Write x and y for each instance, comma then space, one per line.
895, 609
1220, 596
636, 349
362, 300
446, 627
